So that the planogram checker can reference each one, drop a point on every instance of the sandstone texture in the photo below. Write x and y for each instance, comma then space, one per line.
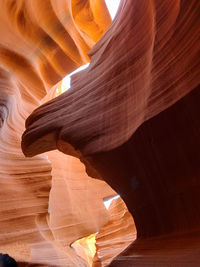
46, 202
131, 119
133, 116
116, 235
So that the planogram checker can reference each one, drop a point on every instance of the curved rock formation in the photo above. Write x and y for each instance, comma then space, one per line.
116, 235
146, 61
133, 117
41, 42
158, 181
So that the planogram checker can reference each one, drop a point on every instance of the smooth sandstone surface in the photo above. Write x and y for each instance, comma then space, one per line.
116, 235
146, 61
132, 118
159, 182
46, 202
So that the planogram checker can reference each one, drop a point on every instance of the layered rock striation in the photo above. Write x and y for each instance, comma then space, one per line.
133, 117
46, 202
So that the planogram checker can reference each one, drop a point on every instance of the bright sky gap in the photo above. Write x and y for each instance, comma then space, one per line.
108, 202
112, 6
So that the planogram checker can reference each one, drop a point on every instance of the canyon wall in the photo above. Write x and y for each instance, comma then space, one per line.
131, 117
46, 202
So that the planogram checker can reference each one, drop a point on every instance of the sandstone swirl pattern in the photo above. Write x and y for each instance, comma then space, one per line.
133, 116
147, 60
40, 43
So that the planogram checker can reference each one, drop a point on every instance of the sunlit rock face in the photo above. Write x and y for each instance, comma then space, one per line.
142, 65
46, 202
133, 117
116, 235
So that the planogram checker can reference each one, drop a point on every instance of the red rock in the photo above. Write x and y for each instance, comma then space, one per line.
132, 118
116, 235
40, 43
135, 113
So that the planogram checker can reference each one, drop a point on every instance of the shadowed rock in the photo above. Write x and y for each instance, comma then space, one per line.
7, 261
135, 113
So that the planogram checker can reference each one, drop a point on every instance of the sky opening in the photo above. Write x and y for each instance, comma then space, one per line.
112, 6
108, 201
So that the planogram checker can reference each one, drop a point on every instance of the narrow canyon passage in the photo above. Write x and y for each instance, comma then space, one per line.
127, 124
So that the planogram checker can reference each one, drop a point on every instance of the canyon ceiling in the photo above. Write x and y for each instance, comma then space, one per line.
129, 125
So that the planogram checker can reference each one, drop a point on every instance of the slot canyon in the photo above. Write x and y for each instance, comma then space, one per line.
125, 130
